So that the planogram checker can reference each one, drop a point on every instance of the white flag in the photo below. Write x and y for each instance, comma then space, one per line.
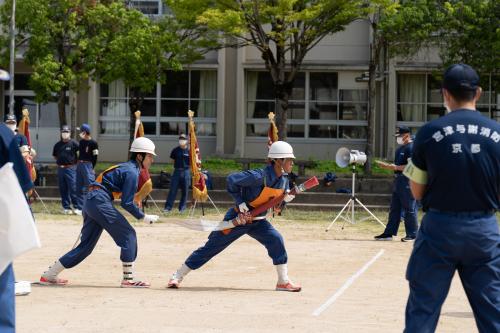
18, 232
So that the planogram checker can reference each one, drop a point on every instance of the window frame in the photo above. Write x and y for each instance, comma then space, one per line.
307, 121
158, 118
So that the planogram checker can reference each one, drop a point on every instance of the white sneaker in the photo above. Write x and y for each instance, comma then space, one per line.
77, 212
23, 288
67, 212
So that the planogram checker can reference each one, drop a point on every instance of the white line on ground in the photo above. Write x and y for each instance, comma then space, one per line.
346, 285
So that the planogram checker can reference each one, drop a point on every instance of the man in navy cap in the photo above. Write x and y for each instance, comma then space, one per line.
19, 139
65, 152
87, 158
403, 204
182, 175
455, 171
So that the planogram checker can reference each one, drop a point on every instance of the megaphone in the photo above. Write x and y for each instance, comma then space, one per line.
344, 157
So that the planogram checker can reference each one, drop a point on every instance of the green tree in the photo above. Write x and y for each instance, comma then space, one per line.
398, 28
131, 47
471, 34
283, 31
55, 40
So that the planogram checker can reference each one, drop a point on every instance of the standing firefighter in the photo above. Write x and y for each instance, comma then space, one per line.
182, 175
250, 189
87, 158
99, 213
455, 171
65, 152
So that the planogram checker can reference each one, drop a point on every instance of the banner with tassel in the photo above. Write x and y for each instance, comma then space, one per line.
200, 192
27, 151
272, 133
145, 184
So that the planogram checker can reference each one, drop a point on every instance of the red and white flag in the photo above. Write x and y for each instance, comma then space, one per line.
200, 192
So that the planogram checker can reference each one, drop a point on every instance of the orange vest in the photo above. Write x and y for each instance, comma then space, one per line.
268, 193
116, 195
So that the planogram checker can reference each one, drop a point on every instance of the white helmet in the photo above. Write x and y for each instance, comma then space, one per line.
143, 145
280, 149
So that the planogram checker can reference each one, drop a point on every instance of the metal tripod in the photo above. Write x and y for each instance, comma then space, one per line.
351, 203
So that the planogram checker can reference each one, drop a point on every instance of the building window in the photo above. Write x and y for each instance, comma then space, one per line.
419, 98
317, 108
148, 7
164, 110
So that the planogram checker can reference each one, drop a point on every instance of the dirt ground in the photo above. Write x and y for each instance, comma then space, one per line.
233, 292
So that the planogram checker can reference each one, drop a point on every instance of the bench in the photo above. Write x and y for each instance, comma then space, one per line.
245, 164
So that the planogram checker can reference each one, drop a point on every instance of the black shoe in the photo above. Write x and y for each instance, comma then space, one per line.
383, 237
408, 239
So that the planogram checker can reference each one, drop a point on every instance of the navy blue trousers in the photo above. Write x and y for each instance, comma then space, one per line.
402, 205
180, 179
98, 214
66, 179
468, 243
85, 175
262, 231
7, 301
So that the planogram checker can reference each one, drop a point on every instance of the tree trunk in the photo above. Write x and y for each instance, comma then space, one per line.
73, 116
61, 107
282, 93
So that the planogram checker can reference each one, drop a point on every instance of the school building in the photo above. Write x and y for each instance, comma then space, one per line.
232, 94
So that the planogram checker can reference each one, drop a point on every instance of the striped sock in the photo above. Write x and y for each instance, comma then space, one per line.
128, 271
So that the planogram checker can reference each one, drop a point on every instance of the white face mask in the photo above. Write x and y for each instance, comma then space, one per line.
12, 127
182, 142
400, 140
448, 110
82, 135
65, 136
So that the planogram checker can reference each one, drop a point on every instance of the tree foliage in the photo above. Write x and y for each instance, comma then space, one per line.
471, 34
283, 31
69, 41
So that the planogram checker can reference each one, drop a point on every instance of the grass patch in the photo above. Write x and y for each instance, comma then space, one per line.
220, 166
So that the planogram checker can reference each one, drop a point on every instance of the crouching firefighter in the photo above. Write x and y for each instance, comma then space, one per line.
250, 189
119, 181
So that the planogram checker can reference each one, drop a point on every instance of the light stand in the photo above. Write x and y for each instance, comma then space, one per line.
350, 203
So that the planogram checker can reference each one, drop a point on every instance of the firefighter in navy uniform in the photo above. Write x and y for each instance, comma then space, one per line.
119, 181
181, 177
65, 152
87, 159
403, 204
455, 171
9, 152
250, 189
20, 139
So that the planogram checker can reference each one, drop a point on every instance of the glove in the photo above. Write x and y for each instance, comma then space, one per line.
243, 218
150, 219
288, 198
243, 208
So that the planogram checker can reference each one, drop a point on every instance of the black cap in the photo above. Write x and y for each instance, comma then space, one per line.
460, 77
10, 118
65, 128
400, 130
182, 137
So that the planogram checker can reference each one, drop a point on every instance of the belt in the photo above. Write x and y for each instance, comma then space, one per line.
464, 213
95, 188
64, 166
83, 161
